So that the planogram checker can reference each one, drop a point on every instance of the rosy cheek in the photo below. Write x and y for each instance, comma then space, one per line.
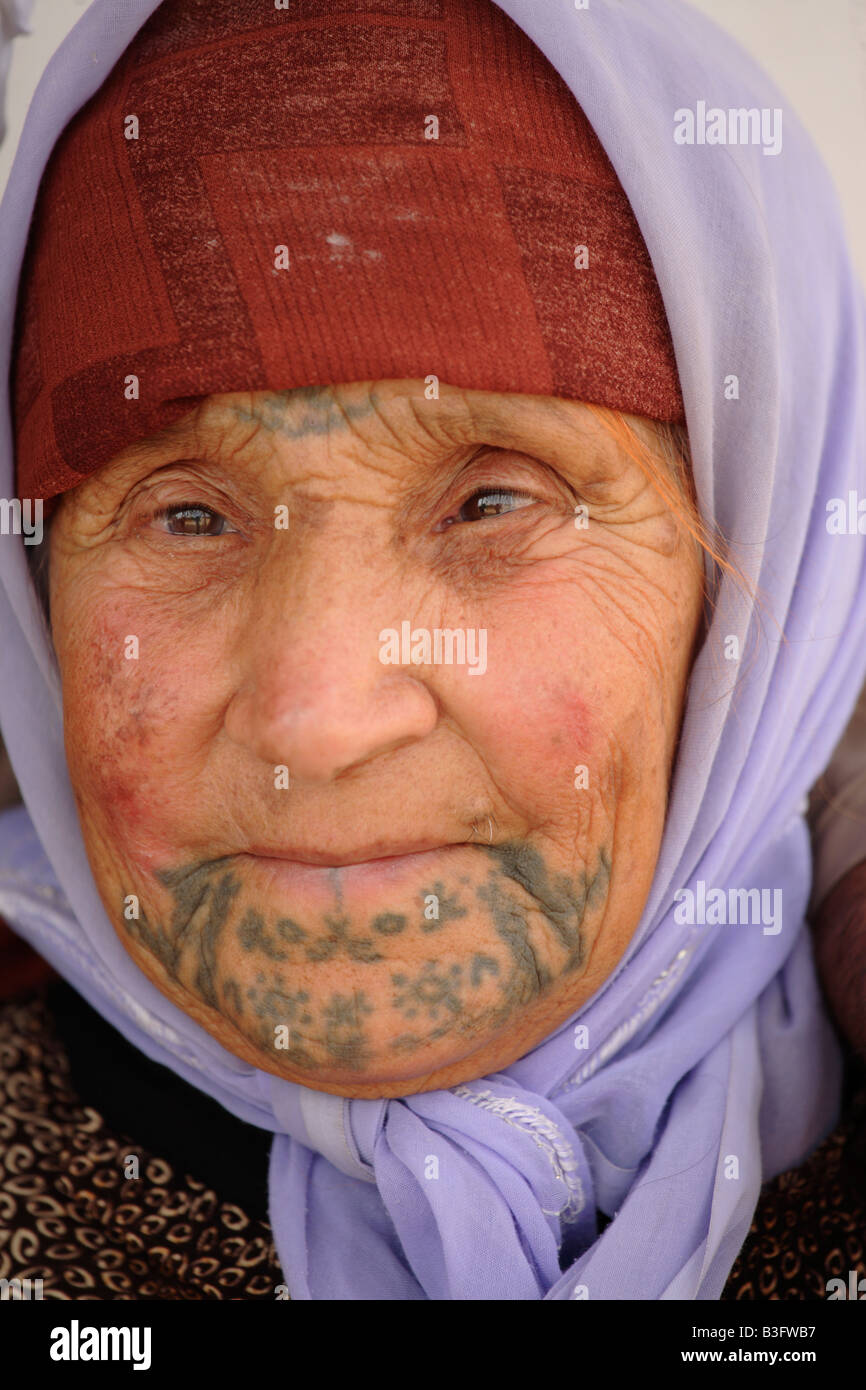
115, 711
569, 719
559, 763
533, 719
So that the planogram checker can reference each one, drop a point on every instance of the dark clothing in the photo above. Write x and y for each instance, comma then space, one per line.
77, 1102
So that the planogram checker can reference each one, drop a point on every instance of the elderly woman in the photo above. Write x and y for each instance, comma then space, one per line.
415, 732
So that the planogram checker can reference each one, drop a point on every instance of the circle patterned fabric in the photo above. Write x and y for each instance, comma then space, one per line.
70, 1217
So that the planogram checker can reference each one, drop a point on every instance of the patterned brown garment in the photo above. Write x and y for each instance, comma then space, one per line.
810, 1225
70, 1217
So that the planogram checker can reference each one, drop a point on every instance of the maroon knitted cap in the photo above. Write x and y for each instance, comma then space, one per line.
339, 191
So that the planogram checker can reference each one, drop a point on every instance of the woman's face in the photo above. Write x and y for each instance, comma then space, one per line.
366, 874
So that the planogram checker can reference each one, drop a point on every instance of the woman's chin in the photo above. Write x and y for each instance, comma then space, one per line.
332, 1027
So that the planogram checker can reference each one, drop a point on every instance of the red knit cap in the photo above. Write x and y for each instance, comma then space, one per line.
309, 129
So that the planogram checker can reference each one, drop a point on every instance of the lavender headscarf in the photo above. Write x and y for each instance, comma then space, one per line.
709, 1066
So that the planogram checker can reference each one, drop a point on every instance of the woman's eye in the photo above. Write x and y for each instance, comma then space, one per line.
490, 502
191, 519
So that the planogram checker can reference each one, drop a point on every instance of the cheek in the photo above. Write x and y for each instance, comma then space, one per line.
531, 716
567, 712
125, 738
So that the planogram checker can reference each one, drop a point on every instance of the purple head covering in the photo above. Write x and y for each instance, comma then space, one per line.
708, 1064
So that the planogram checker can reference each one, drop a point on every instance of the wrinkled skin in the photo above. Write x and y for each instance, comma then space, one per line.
432, 895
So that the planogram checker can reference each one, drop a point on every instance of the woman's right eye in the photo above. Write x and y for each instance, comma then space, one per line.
193, 518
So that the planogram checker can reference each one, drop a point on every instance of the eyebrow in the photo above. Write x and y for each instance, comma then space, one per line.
153, 448
544, 427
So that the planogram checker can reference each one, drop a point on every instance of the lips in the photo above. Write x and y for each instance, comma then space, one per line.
363, 873
369, 854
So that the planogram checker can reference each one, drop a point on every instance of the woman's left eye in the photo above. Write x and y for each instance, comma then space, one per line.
193, 518
490, 502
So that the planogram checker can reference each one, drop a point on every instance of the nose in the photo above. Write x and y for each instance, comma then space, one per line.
312, 694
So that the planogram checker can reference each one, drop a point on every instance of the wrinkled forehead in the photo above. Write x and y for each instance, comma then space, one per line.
448, 212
